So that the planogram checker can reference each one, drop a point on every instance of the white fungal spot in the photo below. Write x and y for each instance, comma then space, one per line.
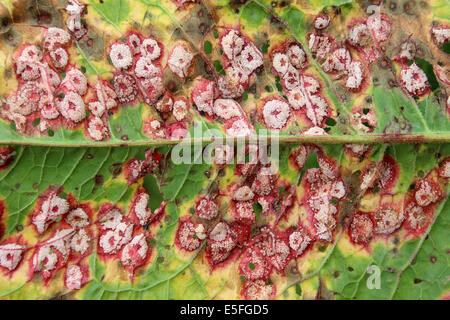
179, 109
60, 58
97, 129
262, 184
80, 241
445, 170
258, 290
315, 131
77, 218
339, 60
150, 48
239, 128
250, 58
203, 96
414, 79
320, 45
73, 277
379, 27
298, 242
142, 209
388, 220
56, 36
360, 35
145, 68
46, 259
76, 81
232, 44
11, 255
276, 113
134, 42
113, 240
96, 108
112, 219
426, 194
321, 21
355, 75
135, 251
52, 208
188, 235
442, 35
72, 107
207, 209
223, 154
243, 193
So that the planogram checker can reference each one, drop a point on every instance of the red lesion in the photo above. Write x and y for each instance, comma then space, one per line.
253, 265
324, 189
225, 242
62, 259
135, 169
84, 268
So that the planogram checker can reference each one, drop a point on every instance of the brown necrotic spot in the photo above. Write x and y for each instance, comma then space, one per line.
433, 259
392, 6
419, 52
5, 23
392, 83
408, 7
115, 169
124, 137
99, 179
12, 38
384, 63
90, 42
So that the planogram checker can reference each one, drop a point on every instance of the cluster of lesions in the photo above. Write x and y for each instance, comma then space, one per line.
69, 230
52, 90
140, 64
251, 222
384, 211
219, 99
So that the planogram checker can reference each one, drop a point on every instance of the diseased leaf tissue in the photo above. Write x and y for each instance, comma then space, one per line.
95, 95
